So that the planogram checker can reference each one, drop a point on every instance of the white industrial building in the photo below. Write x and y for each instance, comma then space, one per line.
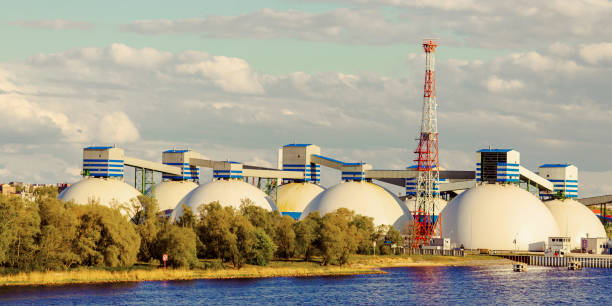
575, 221
489, 209
498, 217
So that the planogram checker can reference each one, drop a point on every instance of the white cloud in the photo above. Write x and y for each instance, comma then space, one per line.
127, 56
592, 183
229, 73
4, 172
56, 24
342, 25
117, 127
595, 53
537, 62
495, 84
152, 106
456, 22
19, 115
561, 49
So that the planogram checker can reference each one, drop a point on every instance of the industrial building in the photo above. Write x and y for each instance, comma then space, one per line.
497, 205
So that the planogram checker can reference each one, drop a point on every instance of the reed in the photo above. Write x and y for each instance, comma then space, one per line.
360, 264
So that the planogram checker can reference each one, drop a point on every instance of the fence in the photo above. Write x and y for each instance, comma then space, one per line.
438, 252
587, 262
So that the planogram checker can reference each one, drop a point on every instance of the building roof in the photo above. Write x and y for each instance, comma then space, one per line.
176, 151
555, 165
495, 150
298, 145
99, 148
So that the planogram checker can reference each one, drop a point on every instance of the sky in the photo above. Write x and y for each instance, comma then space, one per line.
237, 79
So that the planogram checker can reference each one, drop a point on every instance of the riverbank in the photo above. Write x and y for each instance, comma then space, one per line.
359, 265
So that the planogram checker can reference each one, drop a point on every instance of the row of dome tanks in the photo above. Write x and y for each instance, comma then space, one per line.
496, 216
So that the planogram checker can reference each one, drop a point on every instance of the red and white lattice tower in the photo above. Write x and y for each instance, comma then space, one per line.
428, 173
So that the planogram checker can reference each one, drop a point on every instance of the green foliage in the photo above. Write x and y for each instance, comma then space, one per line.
105, 237
58, 224
214, 231
243, 250
22, 238
45, 192
308, 235
364, 229
148, 224
180, 245
337, 237
49, 234
285, 237
263, 249
188, 218
258, 216
8, 218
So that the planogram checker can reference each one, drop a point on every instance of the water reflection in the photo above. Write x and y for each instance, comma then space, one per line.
415, 285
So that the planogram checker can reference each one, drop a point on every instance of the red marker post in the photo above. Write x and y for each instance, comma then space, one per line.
165, 259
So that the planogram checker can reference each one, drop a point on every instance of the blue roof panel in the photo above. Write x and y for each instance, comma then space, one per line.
176, 151
495, 150
98, 148
555, 165
298, 145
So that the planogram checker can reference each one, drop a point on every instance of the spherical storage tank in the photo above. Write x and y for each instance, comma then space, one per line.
498, 217
292, 198
227, 193
105, 191
575, 221
169, 193
364, 198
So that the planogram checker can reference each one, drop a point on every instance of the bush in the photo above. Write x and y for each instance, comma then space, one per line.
180, 245
105, 237
263, 249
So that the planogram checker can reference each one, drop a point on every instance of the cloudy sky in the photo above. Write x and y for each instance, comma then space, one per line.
236, 79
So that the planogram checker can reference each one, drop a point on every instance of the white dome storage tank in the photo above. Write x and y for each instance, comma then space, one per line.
292, 198
105, 191
440, 204
498, 217
575, 221
364, 198
169, 193
227, 192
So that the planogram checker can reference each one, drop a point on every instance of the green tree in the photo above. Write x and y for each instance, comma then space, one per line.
263, 249
337, 237
44, 192
214, 230
285, 237
148, 222
243, 250
58, 225
22, 251
364, 233
105, 237
258, 216
180, 245
308, 235
188, 218
8, 230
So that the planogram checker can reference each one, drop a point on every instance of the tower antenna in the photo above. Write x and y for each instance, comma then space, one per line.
428, 172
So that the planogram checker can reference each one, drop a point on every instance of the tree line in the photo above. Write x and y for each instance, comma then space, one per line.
50, 234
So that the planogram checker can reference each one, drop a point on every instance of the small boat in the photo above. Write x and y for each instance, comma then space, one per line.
574, 265
518, 267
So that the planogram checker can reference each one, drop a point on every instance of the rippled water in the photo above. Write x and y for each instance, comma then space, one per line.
418, 285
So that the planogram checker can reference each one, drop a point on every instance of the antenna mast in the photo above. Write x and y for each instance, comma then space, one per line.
428, 173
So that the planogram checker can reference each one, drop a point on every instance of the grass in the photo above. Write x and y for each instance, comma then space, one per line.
360, 264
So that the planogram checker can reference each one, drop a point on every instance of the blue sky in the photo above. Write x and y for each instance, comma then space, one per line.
237, 79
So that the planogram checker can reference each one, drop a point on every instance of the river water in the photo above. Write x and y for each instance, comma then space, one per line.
415, 285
